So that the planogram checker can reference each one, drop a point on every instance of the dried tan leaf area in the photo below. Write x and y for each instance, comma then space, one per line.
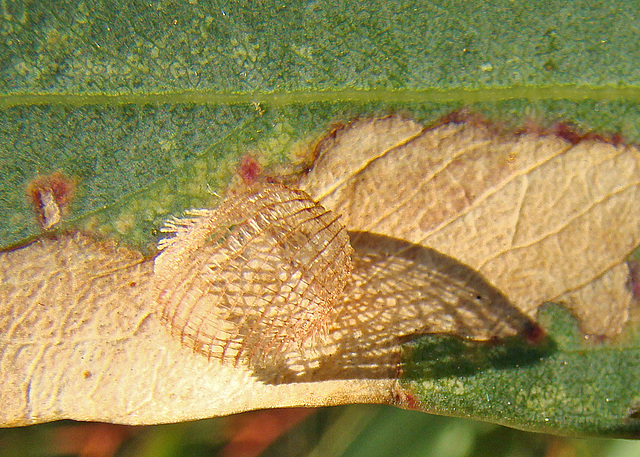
80, 340
540, 218
268, 301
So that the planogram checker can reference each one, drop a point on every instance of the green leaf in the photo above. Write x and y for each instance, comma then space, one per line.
149, 106
569, 385
215, 48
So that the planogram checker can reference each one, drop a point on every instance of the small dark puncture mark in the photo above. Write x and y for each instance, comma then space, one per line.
50, 196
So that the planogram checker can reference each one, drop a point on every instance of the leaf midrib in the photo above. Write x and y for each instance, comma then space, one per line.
283, 98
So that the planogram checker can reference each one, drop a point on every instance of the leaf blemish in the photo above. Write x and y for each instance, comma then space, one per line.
633, 281
249, 170
50, 196
430, 253
534, 334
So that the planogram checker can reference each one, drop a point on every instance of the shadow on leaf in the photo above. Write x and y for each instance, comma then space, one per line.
441, 356
398, 292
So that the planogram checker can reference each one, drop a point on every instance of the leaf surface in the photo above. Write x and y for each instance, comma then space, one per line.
107, 325
532, 213
149, 108
86, 331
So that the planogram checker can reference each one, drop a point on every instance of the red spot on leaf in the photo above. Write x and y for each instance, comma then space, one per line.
249, 170
50, 196
534, 334
61, 186
573, 135
567, 132
405, 399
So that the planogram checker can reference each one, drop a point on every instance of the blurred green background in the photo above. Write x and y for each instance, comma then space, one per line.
357, 430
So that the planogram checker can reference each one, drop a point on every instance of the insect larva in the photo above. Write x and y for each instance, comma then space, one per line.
252, 277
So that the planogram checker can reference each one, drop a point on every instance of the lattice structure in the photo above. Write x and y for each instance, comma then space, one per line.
254, 276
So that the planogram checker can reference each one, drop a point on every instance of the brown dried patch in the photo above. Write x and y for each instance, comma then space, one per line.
543, 216
50, 196
403, 398
464, 116
572, 134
